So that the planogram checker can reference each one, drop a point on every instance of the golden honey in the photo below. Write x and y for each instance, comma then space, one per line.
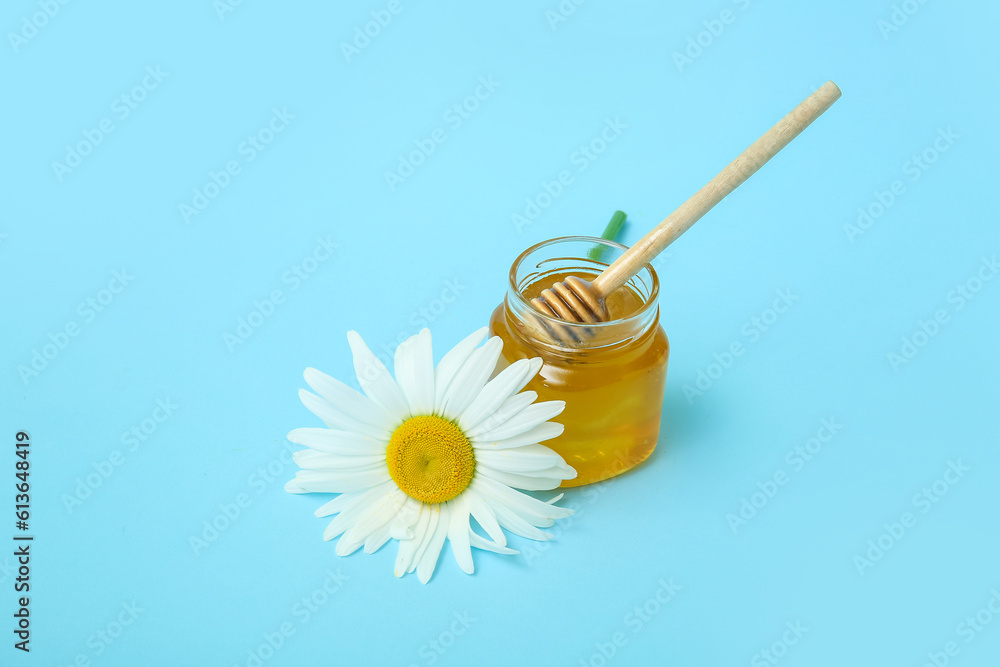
613, 380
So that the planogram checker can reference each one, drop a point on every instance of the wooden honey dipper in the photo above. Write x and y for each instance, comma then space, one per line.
577, 300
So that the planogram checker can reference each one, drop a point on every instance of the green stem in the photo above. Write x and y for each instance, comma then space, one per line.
611, 232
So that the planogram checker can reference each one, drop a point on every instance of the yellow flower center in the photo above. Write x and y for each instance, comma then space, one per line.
430, 459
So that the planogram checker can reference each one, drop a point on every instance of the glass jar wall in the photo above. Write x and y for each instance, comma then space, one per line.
611, 374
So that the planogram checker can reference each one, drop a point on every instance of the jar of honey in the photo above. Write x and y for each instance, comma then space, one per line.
611, 374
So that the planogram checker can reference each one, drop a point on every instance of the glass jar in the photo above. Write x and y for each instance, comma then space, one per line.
611, 376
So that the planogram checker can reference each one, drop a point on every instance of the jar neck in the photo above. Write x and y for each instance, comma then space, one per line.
523, 320
586, 257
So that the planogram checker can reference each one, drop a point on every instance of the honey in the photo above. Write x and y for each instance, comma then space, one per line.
613, 381
622, 303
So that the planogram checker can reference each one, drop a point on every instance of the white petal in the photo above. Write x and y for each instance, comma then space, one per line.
496, 391
346, 547
345, 471
453, 361
484, 515
406, 555
561, 471
375, 379
429, 559
479, 542
519, 459
378, 538
533, 436
458, 535
292, 486
342, 521
543, 481
471, 378
527, 419
309, 458
509, 408
433, 513
347, 400
534, 365
414, 367
338, 504
403, 524
354, 507
535, 511
327, 481
338, 442
331, 416
517, 525
372, 518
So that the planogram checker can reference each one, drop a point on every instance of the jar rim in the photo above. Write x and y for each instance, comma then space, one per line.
648, 302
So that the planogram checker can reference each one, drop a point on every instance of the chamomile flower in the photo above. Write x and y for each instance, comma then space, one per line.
415, 457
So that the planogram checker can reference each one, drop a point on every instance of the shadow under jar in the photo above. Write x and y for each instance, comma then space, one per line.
611, 376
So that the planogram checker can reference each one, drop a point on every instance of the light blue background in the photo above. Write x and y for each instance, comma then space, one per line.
162, 337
